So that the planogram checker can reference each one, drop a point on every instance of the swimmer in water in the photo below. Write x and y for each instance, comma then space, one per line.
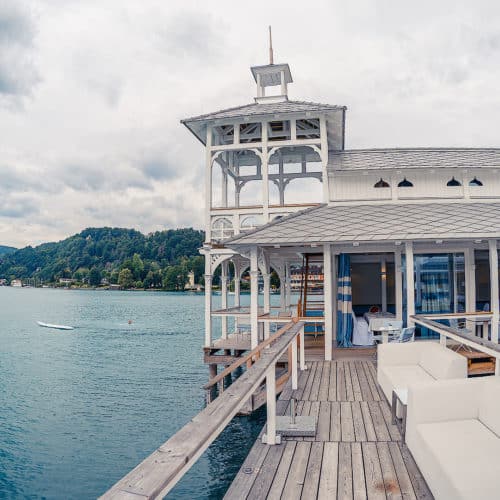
129, 321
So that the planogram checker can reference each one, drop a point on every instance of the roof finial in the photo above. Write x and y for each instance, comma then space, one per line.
271, 58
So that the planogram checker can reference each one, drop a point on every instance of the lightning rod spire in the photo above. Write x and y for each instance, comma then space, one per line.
271, 58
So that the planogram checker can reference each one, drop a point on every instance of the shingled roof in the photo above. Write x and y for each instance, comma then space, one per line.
385, 222
401, 158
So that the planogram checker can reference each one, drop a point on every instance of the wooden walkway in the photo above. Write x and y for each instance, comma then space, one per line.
356, 453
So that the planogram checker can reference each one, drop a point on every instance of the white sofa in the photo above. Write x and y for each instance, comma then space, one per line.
453, 432
400, 365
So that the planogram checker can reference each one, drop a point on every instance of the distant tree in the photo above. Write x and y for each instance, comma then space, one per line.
174, 277
94, 277
126, 278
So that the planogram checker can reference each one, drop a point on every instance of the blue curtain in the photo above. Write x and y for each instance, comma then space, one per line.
344, 302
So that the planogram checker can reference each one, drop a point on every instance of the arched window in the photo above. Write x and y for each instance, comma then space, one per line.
381, 184
405, 183
250, 222
453, 182
222, 229
475, 182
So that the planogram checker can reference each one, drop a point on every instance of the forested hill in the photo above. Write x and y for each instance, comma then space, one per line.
122, 256
5, 250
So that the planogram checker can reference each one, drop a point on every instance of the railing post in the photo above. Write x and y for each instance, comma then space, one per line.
442, 339
270, 437
295, 384
302, 352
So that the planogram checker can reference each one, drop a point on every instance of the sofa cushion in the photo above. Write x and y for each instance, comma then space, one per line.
442, 363
401, 376
489, 405
461, 459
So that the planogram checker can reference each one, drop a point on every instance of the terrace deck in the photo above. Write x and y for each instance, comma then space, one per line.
356, 453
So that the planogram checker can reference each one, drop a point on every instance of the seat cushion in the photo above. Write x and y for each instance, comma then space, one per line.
442, 363
401, 376
459, 459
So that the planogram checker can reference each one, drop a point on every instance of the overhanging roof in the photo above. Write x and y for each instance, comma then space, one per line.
197, 124
402, 158
377, 223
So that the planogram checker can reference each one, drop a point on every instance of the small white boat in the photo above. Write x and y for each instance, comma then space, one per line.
56, 327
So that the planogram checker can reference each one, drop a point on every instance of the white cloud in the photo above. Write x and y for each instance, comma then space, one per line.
91, 94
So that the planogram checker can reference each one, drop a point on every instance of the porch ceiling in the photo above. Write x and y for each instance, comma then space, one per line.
376, 223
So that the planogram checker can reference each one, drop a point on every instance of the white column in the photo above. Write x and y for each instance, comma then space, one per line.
302, 351
294, 365
237, 292
398, 283
288, 286
494, 289
267, 302
383, 280
324, 157
208, 184
223, 278
254, 297
283, 83
328, 296
410, 283
265, 175
283, 288
470, 280
270, 436
208, 302
224, 187
335, 295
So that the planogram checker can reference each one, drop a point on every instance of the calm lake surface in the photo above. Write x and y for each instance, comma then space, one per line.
79, 409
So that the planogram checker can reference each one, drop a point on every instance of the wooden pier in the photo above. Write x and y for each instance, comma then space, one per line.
356, 453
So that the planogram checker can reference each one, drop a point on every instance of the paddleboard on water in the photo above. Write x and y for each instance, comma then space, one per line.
56, 327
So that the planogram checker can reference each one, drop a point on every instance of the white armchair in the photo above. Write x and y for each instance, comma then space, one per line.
361, 335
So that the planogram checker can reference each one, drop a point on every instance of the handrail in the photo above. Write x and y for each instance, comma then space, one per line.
483, 345
156, 475
249, 356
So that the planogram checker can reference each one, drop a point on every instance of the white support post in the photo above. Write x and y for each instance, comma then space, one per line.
267, 302
398, 283
283, 288
302, 354
283, 83
254, 298
288, 286
324, 157
293, 129
492, 244
470, 280
208, 185
237, 293
383, 280
265, 174
270, 437
224, 298
208, 301
224, 188
328, 294
410, 283
295, 378
335, 295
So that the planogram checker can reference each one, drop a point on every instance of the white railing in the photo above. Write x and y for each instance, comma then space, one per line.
480, 343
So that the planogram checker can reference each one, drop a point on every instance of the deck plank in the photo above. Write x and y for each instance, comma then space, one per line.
366, 392
348, 382
420, 487
346, 422
358, 472
391, 482
332, 389
324, 421
311, 483
378, 422
344, 490
306, 396
329, 472
359, 425
404, 480
315, 405
341, 391
356, 387
375, 488
368, 421
314, 396
335, 425
297, 473
282, 472
269, 467
324, 385
371, 381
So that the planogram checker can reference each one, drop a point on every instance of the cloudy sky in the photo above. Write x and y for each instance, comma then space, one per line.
92, 91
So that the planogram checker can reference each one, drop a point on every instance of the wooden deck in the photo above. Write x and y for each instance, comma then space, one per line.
356, 453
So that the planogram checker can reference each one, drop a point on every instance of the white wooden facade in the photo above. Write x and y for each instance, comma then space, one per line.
276, 141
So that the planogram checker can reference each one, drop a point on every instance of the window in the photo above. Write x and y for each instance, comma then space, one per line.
250, 222
250, 132
475, 182
381, 184
308, 129
222, 229
453, 182
405, 183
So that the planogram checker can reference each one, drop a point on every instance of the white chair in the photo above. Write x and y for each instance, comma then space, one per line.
406, 335
361, 335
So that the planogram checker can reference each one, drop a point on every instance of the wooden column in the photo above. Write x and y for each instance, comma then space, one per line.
410, 283
328, 295
494, 289
224, 298
383, 281
254, 297
398, 283
267, 302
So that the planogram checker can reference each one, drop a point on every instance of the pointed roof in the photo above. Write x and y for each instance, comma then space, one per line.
197, 124
373, 223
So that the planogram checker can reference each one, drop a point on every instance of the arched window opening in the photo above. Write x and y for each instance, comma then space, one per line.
475, 182
222, 229
381, 184
250, 222
453, 182
405, 183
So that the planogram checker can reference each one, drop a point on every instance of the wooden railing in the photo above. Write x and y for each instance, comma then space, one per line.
160, 472
482, 344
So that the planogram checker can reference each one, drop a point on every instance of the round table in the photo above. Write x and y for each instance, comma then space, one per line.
386, 331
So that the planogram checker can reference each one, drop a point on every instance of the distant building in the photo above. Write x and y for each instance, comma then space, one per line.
3, 282
17, 283
66, 281
191, 285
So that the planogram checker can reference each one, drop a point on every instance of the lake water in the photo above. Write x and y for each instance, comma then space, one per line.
79, 409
